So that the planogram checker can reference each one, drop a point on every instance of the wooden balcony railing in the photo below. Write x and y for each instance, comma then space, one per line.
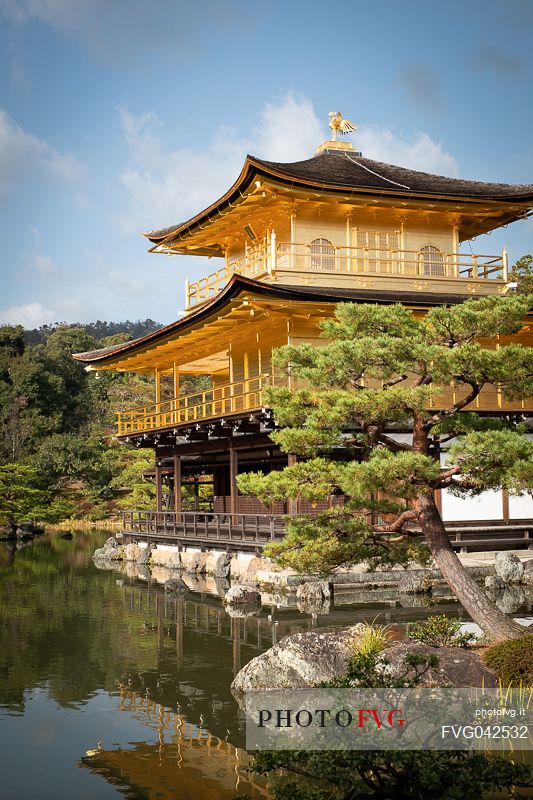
218, 401
203, 527
291, 256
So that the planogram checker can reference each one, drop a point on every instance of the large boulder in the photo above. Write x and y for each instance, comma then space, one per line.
457, 666
314, 597
297, 661
508, 567
307, 659
313, 591
242, 595
111, 550
222, 566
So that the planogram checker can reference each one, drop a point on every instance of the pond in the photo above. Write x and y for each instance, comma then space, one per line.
109, 689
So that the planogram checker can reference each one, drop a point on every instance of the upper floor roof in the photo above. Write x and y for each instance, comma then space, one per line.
347, 177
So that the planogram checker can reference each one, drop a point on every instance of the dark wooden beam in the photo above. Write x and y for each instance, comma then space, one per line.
233, 472
158, 486
177, 483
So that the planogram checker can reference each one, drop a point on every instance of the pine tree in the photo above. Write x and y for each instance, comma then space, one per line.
380, 370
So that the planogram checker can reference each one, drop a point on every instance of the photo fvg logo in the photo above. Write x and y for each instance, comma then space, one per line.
322, 717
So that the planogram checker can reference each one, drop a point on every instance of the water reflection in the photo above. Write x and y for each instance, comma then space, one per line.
89, 655
185, 755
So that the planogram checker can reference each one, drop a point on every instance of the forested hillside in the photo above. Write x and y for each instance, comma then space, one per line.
57, 454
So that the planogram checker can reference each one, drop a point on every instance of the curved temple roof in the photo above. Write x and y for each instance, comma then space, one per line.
239, 285
342, 170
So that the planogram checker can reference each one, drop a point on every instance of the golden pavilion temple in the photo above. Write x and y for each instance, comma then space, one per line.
294, 239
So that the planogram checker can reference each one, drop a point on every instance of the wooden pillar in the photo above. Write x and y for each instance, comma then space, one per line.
233, 472
158, 486
177, 483
292, 506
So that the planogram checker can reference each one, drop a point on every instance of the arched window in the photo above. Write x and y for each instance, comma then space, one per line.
431, 260
322, 254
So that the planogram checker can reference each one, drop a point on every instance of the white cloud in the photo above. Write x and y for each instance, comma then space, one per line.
31, 315
167, 184
25, 158
43, 263
418, 152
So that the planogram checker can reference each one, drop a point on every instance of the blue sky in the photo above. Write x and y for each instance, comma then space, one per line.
118, 116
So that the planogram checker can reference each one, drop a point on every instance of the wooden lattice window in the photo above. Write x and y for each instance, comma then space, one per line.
322, 254
378, 240
378, 250
431, 260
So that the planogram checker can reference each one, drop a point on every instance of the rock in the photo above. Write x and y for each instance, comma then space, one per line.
222, 566
457, 666
494, 583
314, 597
511, 599
66, 535
111, 550
314, 592
145, 556
415, 584
314, 607
23, 534
297, 661
111, 543
176, 586
242, 611
508, 567
242, 595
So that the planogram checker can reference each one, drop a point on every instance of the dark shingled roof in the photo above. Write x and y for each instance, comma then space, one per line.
343, 170
239, 284
347, 169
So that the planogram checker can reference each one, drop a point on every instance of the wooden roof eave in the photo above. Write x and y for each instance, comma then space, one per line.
108, 358
254, 168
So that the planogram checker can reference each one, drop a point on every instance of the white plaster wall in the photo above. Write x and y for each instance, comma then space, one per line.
520, 506
486, 506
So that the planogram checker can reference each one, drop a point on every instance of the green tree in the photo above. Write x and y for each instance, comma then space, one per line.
382, 370
382, 775
522, 274
23, 498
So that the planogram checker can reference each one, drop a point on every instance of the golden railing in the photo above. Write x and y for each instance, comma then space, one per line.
218, 401
256, 265
364, 259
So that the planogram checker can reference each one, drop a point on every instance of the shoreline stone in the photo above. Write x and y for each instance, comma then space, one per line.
239, 595
304, 660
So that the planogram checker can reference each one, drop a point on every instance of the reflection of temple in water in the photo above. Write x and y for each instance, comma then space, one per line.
186, 762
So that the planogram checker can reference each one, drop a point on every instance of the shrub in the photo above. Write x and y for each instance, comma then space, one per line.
371, 638
440, 631
374, 670
512, 661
